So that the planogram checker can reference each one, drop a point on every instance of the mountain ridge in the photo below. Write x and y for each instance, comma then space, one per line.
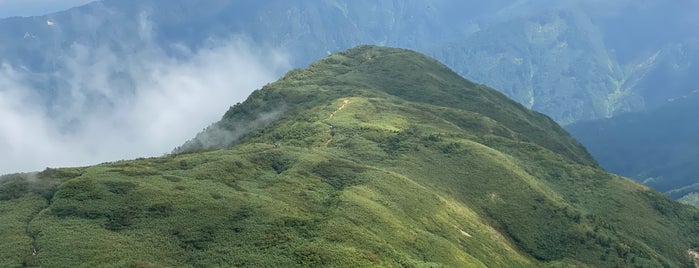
482, 100
354, 170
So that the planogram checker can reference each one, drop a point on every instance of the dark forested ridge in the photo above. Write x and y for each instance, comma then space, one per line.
659, 148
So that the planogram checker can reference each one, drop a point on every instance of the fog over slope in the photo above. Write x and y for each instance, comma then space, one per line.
115, 108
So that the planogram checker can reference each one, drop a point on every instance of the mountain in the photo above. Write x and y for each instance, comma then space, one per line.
659, 148
568, 63
572, 60
76, 72
555, 62
370, 157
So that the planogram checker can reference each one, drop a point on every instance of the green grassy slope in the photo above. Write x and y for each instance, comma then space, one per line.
378, 72
352, 166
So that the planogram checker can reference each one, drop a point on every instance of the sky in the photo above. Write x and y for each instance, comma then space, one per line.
25, 8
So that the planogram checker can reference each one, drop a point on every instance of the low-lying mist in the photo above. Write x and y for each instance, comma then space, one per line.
108, 107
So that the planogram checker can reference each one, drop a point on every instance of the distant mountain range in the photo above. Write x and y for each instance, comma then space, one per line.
572, 60
370, 157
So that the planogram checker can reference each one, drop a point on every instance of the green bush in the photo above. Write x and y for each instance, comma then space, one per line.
13, 189
79, 190
122, 217
339, 173
275, 160
120, 187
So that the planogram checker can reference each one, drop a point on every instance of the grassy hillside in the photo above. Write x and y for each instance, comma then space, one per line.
371, 157
394, 74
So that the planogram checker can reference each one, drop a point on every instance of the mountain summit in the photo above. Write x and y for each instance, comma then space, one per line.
399, 75
370, 157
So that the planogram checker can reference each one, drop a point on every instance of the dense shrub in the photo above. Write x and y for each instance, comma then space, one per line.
339, 173
120, 187
275, 160
13, 189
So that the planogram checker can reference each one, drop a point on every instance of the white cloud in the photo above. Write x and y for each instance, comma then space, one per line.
120, 108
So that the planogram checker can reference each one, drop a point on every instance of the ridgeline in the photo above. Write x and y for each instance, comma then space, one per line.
370, 157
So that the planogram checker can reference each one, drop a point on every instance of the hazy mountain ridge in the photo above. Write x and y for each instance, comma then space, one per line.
544, 52
544, 61
381, 157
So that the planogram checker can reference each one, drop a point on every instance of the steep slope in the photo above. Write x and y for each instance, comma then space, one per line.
671, 76
543, 62
659, 148
370, 157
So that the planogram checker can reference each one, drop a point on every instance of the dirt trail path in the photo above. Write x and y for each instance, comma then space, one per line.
694, 253
332, 115
344, 103
464, 233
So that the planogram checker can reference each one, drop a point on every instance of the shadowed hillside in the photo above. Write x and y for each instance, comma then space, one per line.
659, 148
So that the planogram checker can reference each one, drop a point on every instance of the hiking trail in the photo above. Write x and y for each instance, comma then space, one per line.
694, 253
344, 103
332, 115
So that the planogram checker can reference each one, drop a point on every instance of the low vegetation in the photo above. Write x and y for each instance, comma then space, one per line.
392, 179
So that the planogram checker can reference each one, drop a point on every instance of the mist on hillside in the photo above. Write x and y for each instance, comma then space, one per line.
119, 108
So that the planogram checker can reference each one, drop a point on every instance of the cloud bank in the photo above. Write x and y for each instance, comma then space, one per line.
109, 107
